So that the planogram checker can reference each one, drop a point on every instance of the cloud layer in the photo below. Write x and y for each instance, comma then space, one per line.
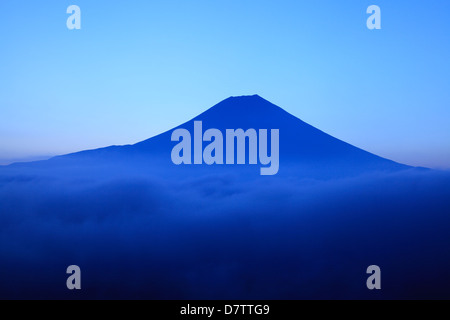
222, 237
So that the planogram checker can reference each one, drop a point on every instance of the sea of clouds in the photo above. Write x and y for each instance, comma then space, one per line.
225, 237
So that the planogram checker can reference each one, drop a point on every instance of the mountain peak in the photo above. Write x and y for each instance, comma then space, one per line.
250, 105
248, 97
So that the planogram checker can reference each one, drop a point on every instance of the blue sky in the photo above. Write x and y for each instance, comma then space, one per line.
138, 68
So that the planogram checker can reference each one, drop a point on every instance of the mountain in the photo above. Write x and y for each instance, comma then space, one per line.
304, 150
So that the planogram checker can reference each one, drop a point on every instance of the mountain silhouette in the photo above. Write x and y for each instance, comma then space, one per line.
304, 150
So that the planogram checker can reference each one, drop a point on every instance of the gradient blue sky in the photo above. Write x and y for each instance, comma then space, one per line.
137, 68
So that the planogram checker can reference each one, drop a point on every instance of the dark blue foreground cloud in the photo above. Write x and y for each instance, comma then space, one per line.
223, 237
